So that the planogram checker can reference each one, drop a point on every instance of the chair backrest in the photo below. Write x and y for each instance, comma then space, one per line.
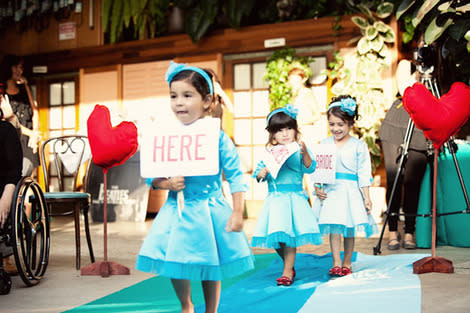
61, 160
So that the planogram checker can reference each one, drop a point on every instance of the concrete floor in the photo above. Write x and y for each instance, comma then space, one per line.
63, 287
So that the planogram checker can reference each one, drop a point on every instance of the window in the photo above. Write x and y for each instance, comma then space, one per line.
251, 106
61, 120
62, 111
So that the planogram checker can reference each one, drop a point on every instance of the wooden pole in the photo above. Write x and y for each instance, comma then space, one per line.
105, 268
433, 263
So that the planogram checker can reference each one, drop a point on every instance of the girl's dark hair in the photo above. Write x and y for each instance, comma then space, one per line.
1, 114
197, 81
194, 79
218, 102
279, 121
339, 113
8, 61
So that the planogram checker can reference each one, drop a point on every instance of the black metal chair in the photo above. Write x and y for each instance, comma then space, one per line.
61, 159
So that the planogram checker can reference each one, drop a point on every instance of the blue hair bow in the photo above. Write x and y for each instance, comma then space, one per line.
289, 109
347, 105
176, 68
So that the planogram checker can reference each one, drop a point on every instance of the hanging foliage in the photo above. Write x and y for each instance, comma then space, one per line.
147, 18
277, 69
200, 15
360, 74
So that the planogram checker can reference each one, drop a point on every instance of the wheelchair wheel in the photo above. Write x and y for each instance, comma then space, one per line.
30, 231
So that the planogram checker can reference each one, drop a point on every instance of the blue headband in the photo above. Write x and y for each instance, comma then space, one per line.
289, 109
176, 68
347, 105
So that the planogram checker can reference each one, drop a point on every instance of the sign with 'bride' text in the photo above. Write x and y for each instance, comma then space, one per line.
175, 149
325, 156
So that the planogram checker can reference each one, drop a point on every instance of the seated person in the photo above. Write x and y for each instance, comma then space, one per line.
11, 165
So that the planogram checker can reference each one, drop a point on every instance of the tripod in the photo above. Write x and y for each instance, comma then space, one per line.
431, 85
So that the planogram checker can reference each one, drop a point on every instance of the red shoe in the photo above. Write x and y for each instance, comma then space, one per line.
336, 271
284, 281
346, 271
293, 275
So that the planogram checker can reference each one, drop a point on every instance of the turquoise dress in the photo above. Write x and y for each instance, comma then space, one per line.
343, 211
286, 216
196, 245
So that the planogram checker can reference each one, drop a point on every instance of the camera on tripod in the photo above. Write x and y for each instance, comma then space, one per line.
424, 59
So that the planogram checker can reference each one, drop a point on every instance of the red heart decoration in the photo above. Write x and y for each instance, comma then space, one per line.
110, 146
438, 118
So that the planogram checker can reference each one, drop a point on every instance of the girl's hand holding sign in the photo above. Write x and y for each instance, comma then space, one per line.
321, 194
175, 183
262, 173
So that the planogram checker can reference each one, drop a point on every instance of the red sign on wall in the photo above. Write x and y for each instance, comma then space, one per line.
67, 31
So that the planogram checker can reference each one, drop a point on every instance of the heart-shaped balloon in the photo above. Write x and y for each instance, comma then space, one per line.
438, 118
110, 146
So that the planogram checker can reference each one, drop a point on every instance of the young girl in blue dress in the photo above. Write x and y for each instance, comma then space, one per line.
343, 208
286, 220
206, 242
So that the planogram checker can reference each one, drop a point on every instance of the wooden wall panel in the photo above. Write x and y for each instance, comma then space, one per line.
298, 33
145, 92
145, 80
47, 40
99, 88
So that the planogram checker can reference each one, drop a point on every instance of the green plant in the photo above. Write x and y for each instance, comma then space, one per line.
335, 66
144, 17
359, 75
446, 22
200, 15
277, 69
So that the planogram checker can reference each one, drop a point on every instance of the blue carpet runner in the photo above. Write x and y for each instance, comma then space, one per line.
379, 284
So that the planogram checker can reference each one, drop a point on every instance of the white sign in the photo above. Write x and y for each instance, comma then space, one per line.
175, 149
275, 156
325, 156
40, 69
275, 42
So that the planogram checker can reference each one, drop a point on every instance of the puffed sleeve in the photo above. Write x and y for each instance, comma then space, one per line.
230, 162
259, 167
14, 155
313, 166
364, 171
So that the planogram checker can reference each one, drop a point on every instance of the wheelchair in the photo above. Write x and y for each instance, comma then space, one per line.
26, 235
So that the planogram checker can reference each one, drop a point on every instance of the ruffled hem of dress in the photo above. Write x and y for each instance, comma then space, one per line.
273, 240
194, 271
366, 228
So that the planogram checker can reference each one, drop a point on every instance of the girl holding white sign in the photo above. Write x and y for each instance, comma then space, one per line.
343, 208
286, 220
204, 241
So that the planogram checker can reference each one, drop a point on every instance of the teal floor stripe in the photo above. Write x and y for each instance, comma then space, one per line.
156, 294
376, 281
